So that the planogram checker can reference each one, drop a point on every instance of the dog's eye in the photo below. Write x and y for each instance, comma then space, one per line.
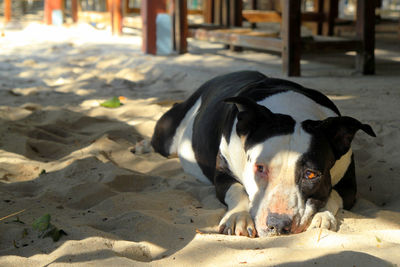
311, 174
260, 169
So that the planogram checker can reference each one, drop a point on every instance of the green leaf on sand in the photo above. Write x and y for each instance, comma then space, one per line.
46, 229
42, 223
55, 233
111, 103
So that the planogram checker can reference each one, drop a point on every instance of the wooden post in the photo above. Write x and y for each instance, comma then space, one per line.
365, 27
208, 11
330, 8
49, 6
116, 17
236, 18
225, 13
180, 26
236, 8
7, 10
253, 6
148, 11
217, 12
318, 7
74, 10
291, 42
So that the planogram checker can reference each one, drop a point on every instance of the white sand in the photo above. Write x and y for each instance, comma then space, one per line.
122, 209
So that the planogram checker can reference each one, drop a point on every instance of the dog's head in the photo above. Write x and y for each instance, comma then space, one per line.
289, 164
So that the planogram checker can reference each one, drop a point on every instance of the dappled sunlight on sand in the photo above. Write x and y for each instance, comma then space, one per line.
64, 154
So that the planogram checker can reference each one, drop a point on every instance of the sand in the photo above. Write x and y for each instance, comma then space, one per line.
63, 154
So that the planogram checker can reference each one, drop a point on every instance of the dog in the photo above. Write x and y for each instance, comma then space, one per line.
278, 154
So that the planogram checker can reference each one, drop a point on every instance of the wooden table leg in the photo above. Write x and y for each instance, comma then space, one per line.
74, 10
236, 18
208, 11
218, 12
365, 27
148, 11
253, 6
330, 9
49, 6
291, 42
116, 17
7, 10
180, 26
225, 14
318, 7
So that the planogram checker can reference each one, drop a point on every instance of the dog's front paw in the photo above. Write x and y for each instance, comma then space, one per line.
324, 220
237, 223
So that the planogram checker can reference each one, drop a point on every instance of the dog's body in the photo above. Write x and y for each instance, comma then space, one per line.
278, 154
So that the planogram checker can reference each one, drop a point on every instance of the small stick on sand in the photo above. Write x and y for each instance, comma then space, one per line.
319, 235
16, 213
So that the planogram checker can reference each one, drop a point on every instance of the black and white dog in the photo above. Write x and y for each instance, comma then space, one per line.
278, 154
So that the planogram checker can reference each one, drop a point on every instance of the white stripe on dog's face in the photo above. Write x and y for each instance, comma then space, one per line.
276, 190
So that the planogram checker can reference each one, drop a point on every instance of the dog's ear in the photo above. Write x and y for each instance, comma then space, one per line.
340, 132
250, 114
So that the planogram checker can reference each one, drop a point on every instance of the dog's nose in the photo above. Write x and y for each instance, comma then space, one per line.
279, 223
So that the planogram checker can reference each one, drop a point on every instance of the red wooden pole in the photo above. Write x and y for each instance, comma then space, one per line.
180, 26
49, 6
7, 10
74, 10
116, 17
149, 10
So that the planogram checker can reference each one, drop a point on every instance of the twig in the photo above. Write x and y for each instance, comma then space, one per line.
319, 235
8, 216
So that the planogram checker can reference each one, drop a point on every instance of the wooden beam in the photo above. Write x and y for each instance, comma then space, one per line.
256, 16
318, 8
327, 44
116, 17
49, 6
225, 14
208, 11
291, 43
330, 9
74, 10
236, 18
7, 10
239, 37
148, 11
365, 28
180, 26
236, 13
218, 12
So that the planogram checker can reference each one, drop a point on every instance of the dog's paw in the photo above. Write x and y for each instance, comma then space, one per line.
142, 147
237, 223
324, 220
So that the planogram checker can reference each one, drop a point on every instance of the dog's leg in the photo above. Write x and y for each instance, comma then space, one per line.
237, 220
343, 195
325, 218
347, 186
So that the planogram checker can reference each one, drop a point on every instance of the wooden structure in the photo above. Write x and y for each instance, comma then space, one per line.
290, 44
228, 14
149, 11
7, 10
49, 6
116, 16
